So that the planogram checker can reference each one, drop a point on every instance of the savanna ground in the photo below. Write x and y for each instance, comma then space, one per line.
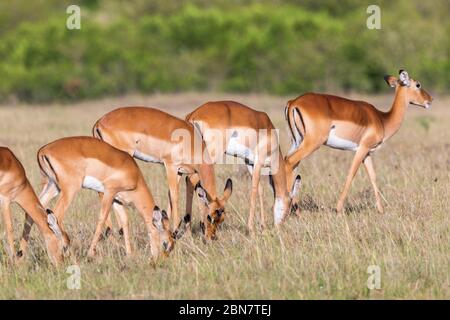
316, 256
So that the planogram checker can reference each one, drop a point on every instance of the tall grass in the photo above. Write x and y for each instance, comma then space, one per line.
319, 255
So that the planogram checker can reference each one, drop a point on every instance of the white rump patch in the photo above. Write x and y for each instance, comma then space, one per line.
235, 148
278, 210
297, 139
338, 143
144, 157
294, 146
297, 133
93, 184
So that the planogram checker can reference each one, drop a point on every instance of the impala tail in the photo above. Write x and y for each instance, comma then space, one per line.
46, 167
96, 132
296, 125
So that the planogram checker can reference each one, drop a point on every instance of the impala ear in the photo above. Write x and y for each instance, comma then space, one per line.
391, 81
403, 78
202, 194
52, 222
158, 217
228, 190
296, 187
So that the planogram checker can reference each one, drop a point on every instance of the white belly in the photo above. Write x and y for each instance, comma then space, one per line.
237, 149
145, 157
336, 142
93, 184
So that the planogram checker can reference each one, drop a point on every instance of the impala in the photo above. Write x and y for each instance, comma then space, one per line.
317, 119
15, 187
231, 128
154, 136
69, 164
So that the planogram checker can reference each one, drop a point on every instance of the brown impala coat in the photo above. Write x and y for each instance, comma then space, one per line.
317, 119
15, 187
232, 128
70, 164
154, 136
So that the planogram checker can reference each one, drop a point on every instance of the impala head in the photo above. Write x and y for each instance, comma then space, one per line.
415, 94
161, 222
215, 209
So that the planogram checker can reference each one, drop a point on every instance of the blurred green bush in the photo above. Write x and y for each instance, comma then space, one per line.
280, 47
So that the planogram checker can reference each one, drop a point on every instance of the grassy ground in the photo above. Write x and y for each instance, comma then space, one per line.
319, 255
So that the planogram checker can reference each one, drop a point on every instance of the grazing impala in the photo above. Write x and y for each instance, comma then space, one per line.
70, 164
154, 136
230, 128
316, 119
15, 187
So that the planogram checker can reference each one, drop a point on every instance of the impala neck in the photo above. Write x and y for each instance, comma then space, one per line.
279, 179
207, 179
29, 202
281, 194
392, 120
143, 199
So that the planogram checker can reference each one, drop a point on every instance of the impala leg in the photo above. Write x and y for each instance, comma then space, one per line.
261, 198
255, 184
189, 195
25, 235
60, 209
189, 199
104, 212
108, 222
308, 146
173, 179
368, 163
261, 204
49, 192
7, 219
359, 157
122, 218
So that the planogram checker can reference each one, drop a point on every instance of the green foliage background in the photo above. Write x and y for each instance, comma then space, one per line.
279, 47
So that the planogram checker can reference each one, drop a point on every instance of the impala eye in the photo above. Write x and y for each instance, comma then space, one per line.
219, 212
418, 85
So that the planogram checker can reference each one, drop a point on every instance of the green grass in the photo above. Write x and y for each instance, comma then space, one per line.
317, 256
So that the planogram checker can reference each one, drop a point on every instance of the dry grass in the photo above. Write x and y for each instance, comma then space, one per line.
319, 255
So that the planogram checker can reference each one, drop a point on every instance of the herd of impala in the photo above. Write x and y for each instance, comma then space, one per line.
105, 163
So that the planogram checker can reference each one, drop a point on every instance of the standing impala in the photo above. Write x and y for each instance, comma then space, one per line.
154, 136
15, 187
316, 119
230, 128
70, 164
